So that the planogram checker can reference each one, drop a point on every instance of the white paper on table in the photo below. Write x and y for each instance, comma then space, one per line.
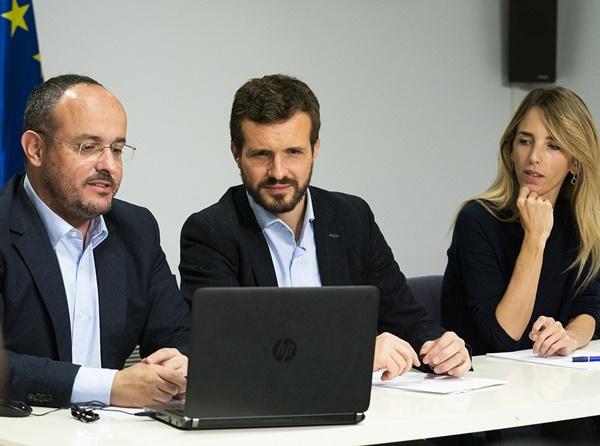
432, 383
561, 361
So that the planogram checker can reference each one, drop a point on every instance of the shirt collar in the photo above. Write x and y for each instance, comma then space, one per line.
266, 219
56, 227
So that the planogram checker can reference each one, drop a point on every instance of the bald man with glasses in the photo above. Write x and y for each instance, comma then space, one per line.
83, 278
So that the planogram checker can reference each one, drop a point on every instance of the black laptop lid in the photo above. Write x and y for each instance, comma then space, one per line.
264, 352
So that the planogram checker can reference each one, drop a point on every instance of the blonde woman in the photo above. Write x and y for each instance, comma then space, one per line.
525, 255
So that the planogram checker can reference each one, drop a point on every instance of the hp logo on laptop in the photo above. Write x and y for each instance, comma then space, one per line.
284, 350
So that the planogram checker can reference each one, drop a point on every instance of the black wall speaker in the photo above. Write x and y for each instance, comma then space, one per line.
532, 40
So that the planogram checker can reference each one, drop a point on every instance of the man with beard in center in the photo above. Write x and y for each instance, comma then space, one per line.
275, 230
83, 278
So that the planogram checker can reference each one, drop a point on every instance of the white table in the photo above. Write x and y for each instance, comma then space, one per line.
533, 394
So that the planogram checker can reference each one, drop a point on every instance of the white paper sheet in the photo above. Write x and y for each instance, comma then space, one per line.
562, 361
431, 383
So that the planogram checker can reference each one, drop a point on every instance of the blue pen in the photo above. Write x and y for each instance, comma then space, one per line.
585, 358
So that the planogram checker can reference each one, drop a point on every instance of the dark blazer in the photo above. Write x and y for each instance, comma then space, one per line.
223, 245
139, 302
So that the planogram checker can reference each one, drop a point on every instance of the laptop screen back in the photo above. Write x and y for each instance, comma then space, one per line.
265, 352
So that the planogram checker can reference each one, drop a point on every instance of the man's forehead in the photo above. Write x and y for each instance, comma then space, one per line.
298, 123
87, 97
82, 94
90, 106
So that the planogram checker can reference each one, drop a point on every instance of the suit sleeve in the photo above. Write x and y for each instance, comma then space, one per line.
483, 279
399, 312
36, 380
168, 320
39, 381
207, 260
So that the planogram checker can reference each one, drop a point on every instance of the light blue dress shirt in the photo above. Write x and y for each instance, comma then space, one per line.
76, 259
295, 263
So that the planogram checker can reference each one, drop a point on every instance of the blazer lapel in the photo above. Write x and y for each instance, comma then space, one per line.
254, 241
112, 294
330, 242
33, 245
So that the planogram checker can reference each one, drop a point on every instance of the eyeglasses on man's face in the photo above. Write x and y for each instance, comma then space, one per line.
93, 150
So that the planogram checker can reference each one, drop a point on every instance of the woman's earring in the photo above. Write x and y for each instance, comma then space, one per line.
574, 175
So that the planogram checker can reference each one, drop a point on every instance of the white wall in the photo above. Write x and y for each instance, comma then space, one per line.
412, 93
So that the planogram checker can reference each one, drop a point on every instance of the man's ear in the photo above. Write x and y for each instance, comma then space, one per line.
33, 147
315, 149
236, 153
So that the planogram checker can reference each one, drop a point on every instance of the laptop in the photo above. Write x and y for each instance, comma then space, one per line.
277, 357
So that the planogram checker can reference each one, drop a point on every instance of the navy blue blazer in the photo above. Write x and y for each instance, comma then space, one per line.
139, 301
223, 245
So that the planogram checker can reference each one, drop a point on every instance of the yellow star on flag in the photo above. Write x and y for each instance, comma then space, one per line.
17, 17
37, 57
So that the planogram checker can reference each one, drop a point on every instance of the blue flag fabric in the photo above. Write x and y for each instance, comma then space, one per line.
20, 71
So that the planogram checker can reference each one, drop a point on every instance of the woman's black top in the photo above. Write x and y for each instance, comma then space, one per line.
481, 259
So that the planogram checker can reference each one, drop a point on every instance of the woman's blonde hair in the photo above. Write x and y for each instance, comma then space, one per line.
570, 123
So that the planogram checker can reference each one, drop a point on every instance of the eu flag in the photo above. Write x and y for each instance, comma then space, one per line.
20, 71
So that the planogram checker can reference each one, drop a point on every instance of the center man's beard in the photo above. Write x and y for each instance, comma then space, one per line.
68, 200
278, 205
